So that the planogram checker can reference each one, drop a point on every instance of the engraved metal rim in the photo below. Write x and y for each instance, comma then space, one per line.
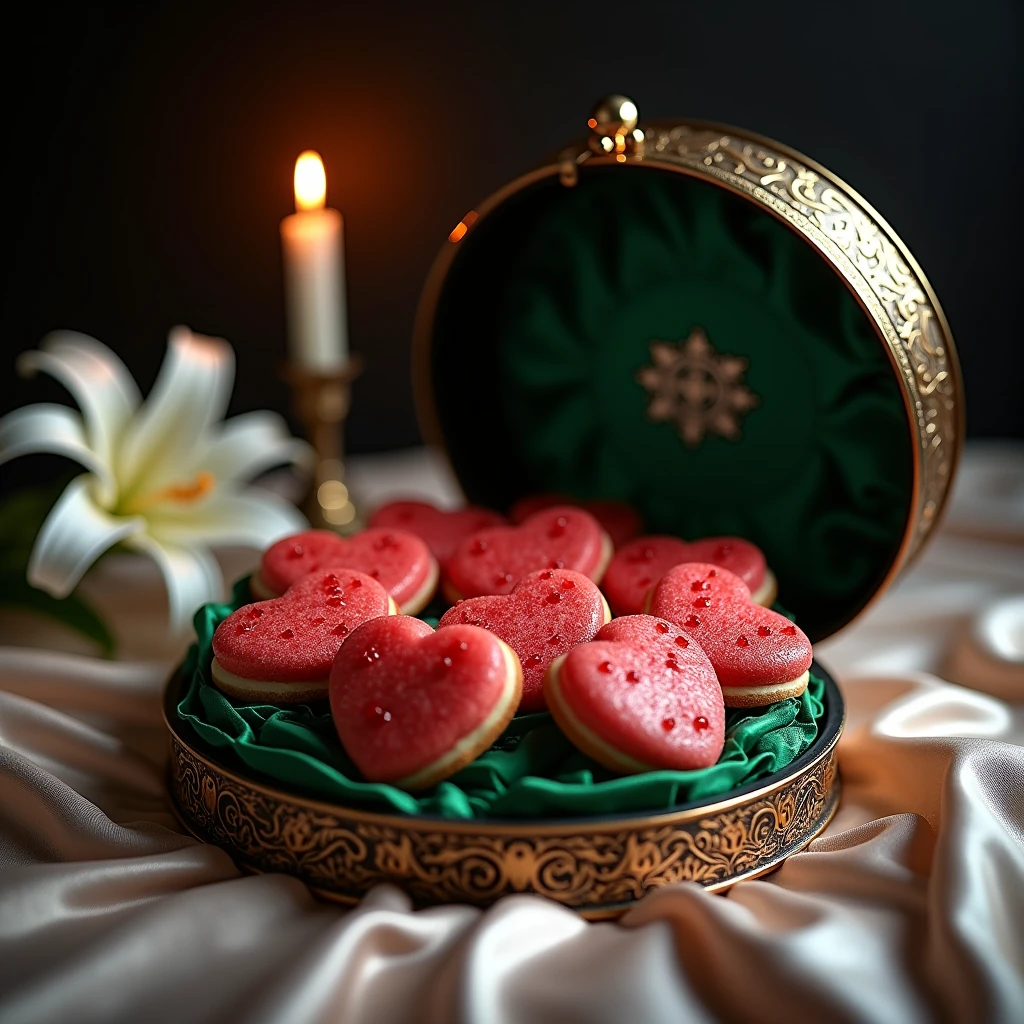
834, 718
912, 542
607, 912
922, 278
947, 333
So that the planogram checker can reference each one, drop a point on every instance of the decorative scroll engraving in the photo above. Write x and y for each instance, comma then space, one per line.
871, 261
697, 389
344, 856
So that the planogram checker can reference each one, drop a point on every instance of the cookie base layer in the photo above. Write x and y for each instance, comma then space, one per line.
581, 736
266, 690
470, 747
766, 593
422, 597
756, 696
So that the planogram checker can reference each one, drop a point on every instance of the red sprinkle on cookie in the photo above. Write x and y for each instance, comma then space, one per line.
282, 650
399, 561
440, 530
493, 561
759, 655
643, 696
619, 520
545, 616
638, 565
413, 706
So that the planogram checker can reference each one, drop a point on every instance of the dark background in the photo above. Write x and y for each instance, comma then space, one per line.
150, 155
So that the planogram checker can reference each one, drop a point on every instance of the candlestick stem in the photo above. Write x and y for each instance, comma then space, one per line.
321, 401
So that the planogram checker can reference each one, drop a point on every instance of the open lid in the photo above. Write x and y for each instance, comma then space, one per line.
707, 325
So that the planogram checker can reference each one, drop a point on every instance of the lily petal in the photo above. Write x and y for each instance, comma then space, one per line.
254, 519
191, 393
59, 431
249, 444
76, 532
98, 381
192, 576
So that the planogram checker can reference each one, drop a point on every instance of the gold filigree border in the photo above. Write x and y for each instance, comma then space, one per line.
875, 264
596, 869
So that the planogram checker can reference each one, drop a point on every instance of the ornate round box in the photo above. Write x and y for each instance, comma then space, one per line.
708, 325
714, 329
598, 866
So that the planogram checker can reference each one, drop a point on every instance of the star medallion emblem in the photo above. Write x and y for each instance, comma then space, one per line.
696, 388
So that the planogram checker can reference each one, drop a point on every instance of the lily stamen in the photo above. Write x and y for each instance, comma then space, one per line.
183, 493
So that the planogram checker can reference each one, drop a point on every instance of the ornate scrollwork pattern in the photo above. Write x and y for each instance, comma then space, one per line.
589, 869
872, 263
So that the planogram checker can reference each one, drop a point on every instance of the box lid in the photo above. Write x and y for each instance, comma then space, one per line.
709, 326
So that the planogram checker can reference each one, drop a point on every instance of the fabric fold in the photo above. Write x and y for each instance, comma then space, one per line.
909, 908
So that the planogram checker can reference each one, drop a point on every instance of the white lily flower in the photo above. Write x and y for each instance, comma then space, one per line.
165, 476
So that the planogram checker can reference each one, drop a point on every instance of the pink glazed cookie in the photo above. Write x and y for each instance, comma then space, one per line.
545, 616
619, 520
442, 531
412, 706
399, 561
642, 696
281, 650
638, 565
493, 561
759, 656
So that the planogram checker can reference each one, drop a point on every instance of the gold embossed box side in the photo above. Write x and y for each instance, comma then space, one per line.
598, 867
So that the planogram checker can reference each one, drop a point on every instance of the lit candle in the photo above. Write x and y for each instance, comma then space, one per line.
314, 269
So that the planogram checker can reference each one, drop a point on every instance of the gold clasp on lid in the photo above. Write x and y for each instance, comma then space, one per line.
613, 127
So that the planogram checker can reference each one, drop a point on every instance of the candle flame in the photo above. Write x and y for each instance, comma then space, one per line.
310, 181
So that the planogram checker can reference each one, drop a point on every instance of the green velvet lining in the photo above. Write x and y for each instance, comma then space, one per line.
533, 771
548, 313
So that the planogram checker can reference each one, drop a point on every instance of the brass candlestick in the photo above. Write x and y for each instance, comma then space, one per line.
322, 402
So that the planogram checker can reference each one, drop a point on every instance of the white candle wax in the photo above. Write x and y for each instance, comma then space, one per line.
314, 267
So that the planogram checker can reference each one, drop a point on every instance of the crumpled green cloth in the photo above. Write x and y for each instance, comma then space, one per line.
533, 771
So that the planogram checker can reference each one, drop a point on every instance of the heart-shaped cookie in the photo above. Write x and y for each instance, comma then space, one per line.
493, 561
638, 565
281, 650
619, 520
413, 706
441, 530
399, 561
640, 697
545, 616
759, 655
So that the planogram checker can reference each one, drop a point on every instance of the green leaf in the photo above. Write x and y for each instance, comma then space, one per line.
21, 516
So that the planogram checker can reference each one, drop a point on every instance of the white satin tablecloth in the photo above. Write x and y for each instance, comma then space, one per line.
910, 907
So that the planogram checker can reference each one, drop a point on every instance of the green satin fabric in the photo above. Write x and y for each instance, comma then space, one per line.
533, 771
548, 314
